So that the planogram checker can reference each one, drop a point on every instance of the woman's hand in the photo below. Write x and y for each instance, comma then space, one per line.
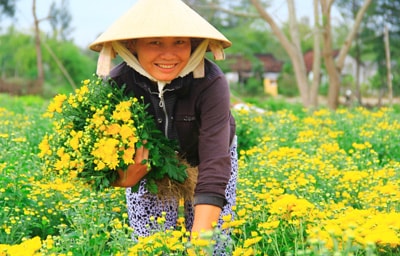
135, 172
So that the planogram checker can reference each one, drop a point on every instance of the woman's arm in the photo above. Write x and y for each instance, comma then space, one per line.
205, 216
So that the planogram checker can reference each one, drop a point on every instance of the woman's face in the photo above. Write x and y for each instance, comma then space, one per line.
163, 57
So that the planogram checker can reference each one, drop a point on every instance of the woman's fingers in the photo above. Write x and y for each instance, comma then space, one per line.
141, 154
136, 171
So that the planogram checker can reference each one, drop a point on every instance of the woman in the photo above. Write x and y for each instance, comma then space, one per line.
163, 45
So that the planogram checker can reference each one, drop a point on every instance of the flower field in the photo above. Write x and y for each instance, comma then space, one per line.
321, 183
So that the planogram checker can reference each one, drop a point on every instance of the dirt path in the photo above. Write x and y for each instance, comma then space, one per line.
368, 102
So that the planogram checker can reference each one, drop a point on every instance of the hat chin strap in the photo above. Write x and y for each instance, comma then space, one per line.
196, 61
107, 53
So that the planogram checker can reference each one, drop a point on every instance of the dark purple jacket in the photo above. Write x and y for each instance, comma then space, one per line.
196, 112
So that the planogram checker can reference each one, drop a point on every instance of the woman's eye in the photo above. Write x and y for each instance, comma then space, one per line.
155, 42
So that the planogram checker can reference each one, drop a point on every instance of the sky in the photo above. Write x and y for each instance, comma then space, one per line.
91, 17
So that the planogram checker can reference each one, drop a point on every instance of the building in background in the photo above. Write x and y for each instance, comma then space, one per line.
262, 65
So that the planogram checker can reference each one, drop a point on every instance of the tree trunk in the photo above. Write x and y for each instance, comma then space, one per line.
334, 69
316, 69
357, 48
388, 65
292, 48
357, 82
333, 74
60, 66
352, 33
38, 85
358, 67
298, 60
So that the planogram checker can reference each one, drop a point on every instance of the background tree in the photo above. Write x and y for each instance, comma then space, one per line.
60, 20
349, 9
249, 39
18, 64
291, 41
223, 14
305, 30
38, 85
236, 20
316, 69
292, 44
334, 67
26, 60
7, 8
383, 13
15, 59
309, 35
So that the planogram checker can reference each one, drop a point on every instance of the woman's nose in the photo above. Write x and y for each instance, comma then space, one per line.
168, 51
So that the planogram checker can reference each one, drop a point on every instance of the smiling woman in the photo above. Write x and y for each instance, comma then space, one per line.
189, 98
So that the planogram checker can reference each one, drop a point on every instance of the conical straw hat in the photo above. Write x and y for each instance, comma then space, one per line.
160, 18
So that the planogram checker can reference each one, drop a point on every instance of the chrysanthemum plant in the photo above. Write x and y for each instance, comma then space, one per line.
96, 131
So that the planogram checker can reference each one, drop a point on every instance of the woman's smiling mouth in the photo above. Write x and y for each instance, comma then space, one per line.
166, 66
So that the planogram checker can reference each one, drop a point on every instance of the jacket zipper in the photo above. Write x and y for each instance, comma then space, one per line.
162, 105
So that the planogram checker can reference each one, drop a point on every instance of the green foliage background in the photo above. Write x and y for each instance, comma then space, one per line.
18, 62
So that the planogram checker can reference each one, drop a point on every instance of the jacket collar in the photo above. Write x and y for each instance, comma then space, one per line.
151, 86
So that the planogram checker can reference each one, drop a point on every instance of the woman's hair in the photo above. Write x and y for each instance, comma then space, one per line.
195, 42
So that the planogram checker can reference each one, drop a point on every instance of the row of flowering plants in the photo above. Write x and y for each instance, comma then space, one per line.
320, 184
311, 183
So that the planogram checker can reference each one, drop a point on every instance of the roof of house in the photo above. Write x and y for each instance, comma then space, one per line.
239, 63
309, 59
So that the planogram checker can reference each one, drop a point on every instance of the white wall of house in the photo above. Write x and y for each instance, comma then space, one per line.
367, 69
232, 77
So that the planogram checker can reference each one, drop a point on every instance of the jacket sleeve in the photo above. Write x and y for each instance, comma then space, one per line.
214, 141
